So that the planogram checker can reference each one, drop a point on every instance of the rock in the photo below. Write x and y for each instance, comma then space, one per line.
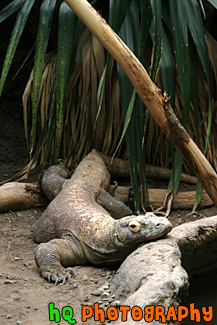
16, 298
106, 286
8, 317
8, 282
97, 292
105, 295
155, 274
116, 303
86, 298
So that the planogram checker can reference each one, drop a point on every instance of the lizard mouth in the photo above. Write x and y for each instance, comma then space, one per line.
163, 233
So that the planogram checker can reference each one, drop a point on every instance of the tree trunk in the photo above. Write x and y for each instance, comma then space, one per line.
157, 104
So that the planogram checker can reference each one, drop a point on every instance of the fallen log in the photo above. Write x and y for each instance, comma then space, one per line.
20, 196
120, 168
183, 199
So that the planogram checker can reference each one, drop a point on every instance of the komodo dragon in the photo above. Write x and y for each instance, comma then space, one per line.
75, 230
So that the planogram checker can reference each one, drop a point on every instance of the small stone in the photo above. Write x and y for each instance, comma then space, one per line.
106, 304
13, 229
113, 296
1, 275
86, 298
18, 322
36, 308
8, 317
75, 285
16, 298
85, 278
96, 281
103, 275
97, 292
109, 291
105, 286
33, 279
8, 282
19, 214
116, 303
105, 295
28, 307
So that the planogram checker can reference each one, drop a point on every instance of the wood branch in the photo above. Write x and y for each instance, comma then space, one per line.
183, 200
20, 196
157, 104
120, 168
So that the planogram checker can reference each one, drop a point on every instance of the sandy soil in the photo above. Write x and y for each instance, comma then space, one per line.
24, 295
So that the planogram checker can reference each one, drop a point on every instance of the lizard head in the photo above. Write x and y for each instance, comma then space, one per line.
142, 228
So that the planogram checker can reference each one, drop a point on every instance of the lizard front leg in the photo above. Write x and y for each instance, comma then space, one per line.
54, 257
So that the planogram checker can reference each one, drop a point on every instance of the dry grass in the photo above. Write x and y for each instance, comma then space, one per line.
79, 134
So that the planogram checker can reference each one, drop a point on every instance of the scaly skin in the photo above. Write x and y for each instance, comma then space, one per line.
76, 230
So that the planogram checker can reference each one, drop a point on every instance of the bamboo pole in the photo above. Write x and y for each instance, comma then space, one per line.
150, 94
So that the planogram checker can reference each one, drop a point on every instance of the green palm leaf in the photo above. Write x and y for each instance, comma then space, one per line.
64, 49
45, 19
213, 3
11, 8
196, 27
14, 40
157, 37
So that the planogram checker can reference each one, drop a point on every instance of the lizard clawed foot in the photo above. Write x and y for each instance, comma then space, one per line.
58, 275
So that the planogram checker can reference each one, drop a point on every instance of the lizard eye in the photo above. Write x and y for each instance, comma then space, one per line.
134, 226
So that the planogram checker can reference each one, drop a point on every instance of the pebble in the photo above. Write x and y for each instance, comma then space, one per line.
36, 308
19, 214
97, 292
1, 275
116, 303
105, 295
85, 278
16, 298
18, 322
75, 285
103, 275
86, 298
8, 282
113, 296
13, 229
8, 317
105, 286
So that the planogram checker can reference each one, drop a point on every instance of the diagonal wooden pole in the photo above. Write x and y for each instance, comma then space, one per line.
157, 104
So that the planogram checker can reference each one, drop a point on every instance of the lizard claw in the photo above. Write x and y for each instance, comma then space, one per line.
48, 276
69, 278
58, 275
63, 281
56, 281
